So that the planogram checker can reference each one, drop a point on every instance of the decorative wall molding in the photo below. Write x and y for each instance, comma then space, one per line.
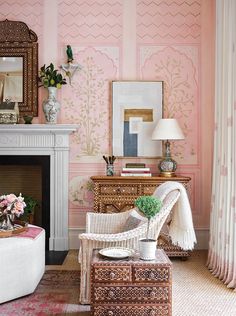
53, 141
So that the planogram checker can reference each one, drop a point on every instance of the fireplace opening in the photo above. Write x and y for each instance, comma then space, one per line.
29, 175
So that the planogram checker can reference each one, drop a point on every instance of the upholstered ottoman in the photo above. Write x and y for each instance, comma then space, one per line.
22, 263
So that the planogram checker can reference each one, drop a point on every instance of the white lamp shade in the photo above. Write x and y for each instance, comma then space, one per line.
167, 129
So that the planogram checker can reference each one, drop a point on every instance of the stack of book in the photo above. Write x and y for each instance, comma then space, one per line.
136, 172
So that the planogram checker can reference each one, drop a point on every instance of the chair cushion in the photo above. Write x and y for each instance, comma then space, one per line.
134, 220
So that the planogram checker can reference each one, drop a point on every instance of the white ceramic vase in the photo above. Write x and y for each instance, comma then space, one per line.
147, 249
51, 106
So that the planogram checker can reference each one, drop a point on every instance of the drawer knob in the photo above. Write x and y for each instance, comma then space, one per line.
152, 293
111, 294
118, 190
152, 275
110, 313
112, 275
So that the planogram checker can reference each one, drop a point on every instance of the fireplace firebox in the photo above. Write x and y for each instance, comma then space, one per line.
14, 163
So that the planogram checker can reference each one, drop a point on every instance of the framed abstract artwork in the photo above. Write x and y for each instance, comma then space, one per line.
136, 108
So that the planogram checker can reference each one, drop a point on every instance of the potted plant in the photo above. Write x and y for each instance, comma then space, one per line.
149, 206
29, 209
51, 79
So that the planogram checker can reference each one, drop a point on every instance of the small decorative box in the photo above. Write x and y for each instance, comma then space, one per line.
9, 113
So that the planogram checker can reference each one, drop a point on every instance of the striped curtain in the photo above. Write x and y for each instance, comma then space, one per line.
222, 244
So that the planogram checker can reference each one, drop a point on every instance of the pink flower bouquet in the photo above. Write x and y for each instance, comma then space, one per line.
10, 206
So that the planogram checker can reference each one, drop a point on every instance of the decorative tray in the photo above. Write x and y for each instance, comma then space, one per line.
19, 227
116, 252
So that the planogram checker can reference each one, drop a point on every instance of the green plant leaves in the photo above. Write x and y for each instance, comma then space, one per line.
148, 205
50, 77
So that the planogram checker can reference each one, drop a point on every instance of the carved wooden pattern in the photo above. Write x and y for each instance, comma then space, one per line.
148, 292
135, 294
108, 274
117, 310
119, 190
15, 31
17, 40
151, 275
115, 195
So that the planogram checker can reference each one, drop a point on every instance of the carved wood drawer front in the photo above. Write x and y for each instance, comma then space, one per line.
117, 189
131, 310
132, 294
149, 189
160, 274
131, 287
113, 274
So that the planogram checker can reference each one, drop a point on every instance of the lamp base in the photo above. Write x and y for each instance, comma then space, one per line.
167, 174
167, 167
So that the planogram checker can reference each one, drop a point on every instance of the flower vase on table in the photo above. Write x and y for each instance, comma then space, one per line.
10, 206
7, 222
51, 79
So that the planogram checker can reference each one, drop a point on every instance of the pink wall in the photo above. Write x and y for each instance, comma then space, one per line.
166, 40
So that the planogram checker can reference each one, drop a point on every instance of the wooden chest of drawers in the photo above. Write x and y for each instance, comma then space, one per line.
131, 287
115, 194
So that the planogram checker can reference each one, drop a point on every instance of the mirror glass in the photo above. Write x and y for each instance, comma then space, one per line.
11, 79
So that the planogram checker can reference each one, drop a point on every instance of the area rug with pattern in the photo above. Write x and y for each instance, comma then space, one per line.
195, 292
56, 294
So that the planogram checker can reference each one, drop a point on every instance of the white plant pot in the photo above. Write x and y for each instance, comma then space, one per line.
147, 249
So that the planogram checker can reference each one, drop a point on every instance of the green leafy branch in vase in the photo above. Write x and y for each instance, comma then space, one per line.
50, 77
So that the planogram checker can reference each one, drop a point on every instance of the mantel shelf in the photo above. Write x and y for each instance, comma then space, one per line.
39, 128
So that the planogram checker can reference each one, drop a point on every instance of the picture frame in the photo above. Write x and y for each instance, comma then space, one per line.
136, 108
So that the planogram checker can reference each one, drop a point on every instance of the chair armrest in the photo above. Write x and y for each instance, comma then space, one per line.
136, 232
105, 223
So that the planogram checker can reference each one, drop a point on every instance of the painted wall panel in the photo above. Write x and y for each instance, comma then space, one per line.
169, 40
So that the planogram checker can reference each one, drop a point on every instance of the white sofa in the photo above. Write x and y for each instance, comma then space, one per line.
22, 265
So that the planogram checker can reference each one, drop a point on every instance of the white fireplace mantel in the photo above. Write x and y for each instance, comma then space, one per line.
53, 141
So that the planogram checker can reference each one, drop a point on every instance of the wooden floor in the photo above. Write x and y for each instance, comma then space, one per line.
69, 263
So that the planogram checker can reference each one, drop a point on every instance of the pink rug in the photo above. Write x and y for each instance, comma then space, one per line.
56, 294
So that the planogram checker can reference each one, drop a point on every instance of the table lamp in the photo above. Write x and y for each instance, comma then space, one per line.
167, 129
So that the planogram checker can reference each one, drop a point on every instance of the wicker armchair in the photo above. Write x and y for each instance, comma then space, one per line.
105, 230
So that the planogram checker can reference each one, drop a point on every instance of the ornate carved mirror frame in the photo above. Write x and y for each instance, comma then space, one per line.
17, 40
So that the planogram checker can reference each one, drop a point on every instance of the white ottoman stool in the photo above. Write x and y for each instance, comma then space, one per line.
22, 265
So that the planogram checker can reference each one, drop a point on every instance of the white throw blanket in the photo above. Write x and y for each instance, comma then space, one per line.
181, 227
